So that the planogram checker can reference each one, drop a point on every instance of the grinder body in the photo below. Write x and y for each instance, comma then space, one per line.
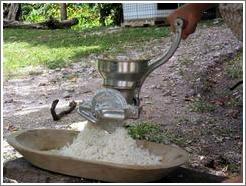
122, 82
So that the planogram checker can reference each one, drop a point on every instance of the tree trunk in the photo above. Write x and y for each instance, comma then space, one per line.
102, 14
6, 10
63, 8
14, 12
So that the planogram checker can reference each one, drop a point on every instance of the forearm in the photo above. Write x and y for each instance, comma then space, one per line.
200, 7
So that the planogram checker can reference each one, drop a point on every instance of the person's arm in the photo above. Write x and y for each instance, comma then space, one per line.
191, 13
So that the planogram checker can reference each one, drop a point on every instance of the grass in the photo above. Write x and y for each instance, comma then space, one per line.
234, 68
233, 167
59, 48
234, 102
182, 120
146, 130
201, 105
186, 62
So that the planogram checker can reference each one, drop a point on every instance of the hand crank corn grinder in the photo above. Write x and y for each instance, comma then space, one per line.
122, 82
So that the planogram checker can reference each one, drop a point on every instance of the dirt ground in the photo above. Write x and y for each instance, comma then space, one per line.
189, 97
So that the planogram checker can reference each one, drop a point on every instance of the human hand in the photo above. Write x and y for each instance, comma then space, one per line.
191, 14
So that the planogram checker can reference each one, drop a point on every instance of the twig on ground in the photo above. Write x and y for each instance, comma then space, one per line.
236, 85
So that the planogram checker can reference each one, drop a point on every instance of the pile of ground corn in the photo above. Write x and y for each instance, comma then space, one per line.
94, 143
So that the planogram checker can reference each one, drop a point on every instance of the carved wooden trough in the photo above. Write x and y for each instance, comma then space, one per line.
34, 144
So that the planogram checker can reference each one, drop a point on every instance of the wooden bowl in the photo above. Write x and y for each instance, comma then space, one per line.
33, 145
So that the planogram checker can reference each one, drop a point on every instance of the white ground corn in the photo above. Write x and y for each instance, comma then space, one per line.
93, 143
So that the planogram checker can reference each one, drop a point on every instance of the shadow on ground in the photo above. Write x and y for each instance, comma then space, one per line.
22, 171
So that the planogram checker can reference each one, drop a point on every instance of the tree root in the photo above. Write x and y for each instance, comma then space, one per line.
56, 117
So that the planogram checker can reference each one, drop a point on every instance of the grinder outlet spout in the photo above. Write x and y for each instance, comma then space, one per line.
109, 105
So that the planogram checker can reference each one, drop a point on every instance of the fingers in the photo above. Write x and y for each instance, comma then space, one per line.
190, 16
189, 29
184, 36
170, 20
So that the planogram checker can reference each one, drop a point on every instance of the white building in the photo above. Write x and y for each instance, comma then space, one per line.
141, 14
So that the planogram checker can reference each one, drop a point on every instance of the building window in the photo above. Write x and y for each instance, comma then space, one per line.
167, 6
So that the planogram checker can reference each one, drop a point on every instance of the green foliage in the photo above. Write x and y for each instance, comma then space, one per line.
110, 13
87, 15
90, 15
39, 12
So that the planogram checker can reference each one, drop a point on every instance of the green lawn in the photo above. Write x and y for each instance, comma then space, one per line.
58, 48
